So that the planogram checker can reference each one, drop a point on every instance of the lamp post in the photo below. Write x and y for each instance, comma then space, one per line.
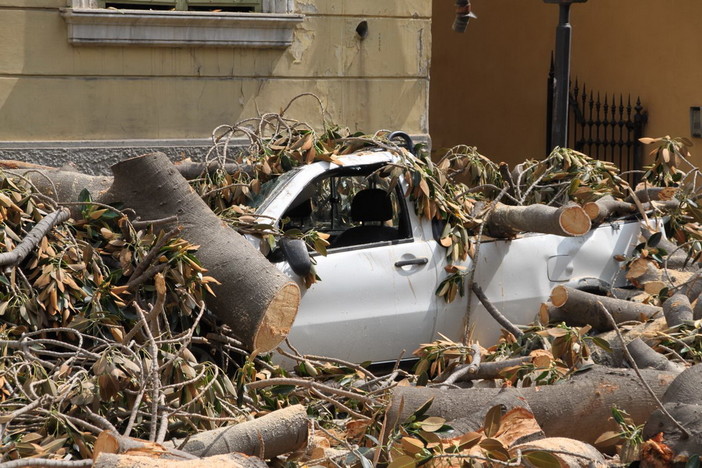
559, 124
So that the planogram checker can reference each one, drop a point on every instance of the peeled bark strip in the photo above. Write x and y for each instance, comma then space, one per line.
507, 221
582, 309
230, 460
677, 309
258, 301
580, 408
276, 433
111, 442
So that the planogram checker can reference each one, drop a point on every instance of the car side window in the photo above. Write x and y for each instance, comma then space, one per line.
352, 210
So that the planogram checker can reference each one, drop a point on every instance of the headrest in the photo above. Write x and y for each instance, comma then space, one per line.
371, 205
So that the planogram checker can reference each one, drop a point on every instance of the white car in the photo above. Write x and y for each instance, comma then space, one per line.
376, 297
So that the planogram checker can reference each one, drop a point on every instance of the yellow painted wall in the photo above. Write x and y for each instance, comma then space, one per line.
50, 90
488, 85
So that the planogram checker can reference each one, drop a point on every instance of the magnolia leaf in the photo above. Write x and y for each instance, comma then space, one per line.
648, 140
433, 423
608, 439
492, 420
411, 446
541, 459
404, 461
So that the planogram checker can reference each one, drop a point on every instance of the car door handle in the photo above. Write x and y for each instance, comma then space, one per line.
412, 261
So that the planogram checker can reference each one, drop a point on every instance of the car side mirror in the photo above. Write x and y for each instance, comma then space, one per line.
297, 256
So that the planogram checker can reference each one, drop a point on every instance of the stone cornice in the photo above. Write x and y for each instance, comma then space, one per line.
88, 26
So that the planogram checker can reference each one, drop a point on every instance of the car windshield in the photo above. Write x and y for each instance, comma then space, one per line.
262, 198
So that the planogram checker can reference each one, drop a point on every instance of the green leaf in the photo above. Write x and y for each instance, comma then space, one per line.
542, 459
654, 239
693, 462
602, 343
84, 196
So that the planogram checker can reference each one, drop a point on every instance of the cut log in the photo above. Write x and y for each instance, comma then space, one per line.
579, 408
646, 357
230, 460
607, 207
683, 401
274, 434
677, 309
507, 221
582, 308
653, 194
647, 332
255, 299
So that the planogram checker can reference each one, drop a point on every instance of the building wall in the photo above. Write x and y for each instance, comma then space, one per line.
489, 83
99, 96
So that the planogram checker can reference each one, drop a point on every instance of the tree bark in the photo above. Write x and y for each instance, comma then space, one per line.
653, 194
646, 357
677, 309
683, 400
579, 408
254, 298
581, 308
507, 221
606, 207
230, 460
274, 434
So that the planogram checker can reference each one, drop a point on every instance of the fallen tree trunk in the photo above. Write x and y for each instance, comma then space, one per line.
579, 408
230, 460
683, 401
580, 308
254, 298
507, 221
274, 434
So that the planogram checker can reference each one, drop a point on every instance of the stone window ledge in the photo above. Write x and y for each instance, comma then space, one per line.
88, 26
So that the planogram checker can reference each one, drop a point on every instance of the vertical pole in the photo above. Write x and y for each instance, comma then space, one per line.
559, 125
559, 129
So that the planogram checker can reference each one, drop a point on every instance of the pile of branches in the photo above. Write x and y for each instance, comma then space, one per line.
108, 350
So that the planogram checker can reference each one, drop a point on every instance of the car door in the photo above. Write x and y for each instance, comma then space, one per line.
375, 299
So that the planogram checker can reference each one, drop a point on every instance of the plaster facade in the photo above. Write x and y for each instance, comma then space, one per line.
489, 83
96, 103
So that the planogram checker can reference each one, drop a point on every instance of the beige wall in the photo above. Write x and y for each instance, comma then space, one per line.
50, 90
488, 85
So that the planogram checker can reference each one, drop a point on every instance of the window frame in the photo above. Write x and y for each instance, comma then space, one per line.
273, 27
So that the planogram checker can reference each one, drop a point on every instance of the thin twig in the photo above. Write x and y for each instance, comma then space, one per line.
630, 359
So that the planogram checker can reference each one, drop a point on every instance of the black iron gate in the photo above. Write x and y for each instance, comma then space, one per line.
606, 128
